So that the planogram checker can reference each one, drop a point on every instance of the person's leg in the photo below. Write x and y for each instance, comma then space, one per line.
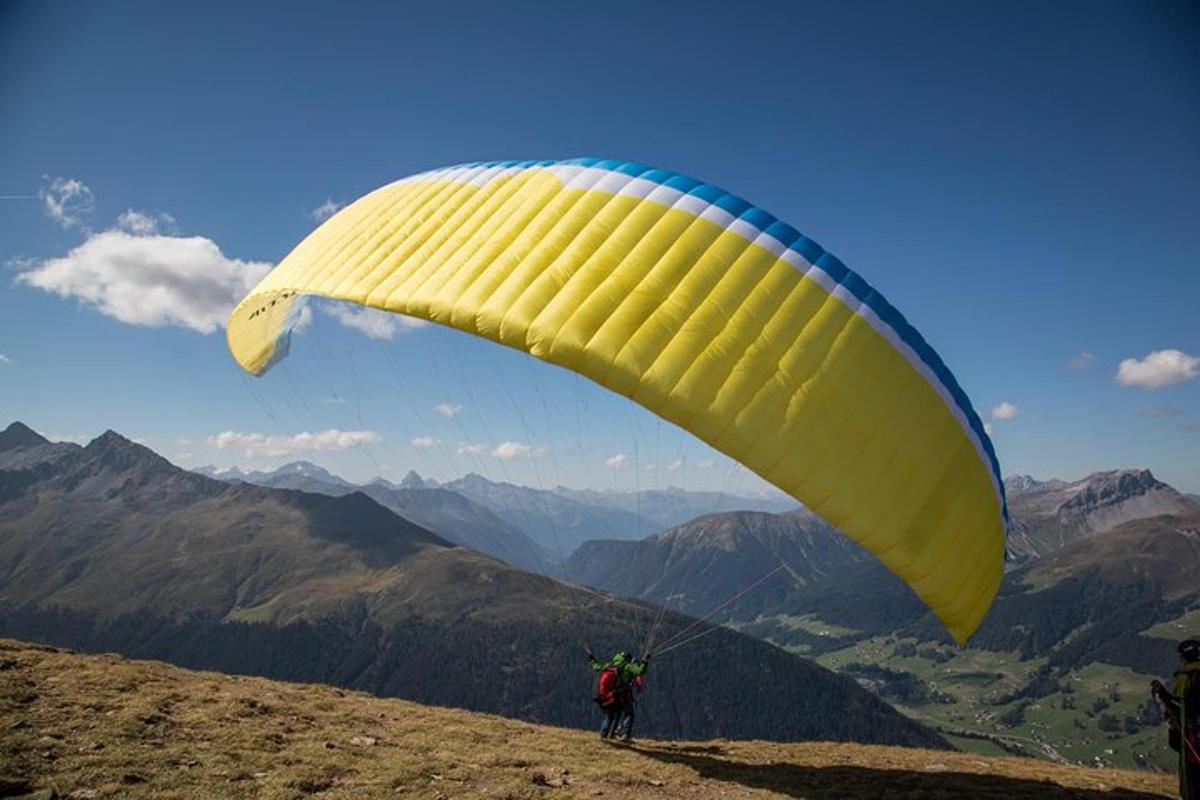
627, 723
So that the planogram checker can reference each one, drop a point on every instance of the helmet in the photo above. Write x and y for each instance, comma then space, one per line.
1189, 650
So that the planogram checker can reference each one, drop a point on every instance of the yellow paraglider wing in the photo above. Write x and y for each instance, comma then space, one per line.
704, 309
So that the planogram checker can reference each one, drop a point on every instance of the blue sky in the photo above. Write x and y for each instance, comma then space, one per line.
1019, 179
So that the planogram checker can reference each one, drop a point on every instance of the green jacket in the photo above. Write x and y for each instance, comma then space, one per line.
626, 670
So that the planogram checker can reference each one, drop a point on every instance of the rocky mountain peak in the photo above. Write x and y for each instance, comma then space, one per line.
1102, 488
113, 451
308, 469
412, 481
18, 434
1016, 484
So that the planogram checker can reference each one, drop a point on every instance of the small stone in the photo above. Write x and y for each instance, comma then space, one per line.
330, 746
539, 779
363, 741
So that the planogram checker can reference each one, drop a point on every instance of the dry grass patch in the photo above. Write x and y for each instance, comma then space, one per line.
101, 726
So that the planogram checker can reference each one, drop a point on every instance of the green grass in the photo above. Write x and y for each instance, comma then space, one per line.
979, 679
1176, 629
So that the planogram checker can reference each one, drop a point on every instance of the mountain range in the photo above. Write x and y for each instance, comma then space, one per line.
533, 528
1049, 515
1103, 574
111, 547
452, 515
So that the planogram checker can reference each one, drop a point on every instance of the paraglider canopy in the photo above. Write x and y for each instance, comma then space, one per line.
703, 308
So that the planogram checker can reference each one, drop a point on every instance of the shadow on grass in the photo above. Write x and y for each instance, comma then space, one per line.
850, 783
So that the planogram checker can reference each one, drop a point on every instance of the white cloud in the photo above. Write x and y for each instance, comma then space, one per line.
707, 463
304, 320
141, 224
617, 461
508, 451
675, 465
1082, 361
68, 201
261, 444
426, 442
649, 467
470, 449
5, 359
1005, 410
988, 429
1158, 369
183, 441
325, 210
334, 400
150, 280
448, 409
185, 457
1160, 412
374, 323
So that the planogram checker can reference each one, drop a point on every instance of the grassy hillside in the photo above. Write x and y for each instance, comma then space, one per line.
109, 547
101, 726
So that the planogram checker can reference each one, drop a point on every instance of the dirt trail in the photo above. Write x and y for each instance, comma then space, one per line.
97, 726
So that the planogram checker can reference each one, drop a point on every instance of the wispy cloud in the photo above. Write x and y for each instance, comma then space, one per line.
1190, 427
325, 210
371, 321
706, 463
1082, 361
142, 224
1158, 369
677, 464
5, 359
262, 444
988, 428
150, 280
1160, 412
448, 409
508, 451
68, 201
616, 461
470, 449
1005, 410
426, 442
333, 400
